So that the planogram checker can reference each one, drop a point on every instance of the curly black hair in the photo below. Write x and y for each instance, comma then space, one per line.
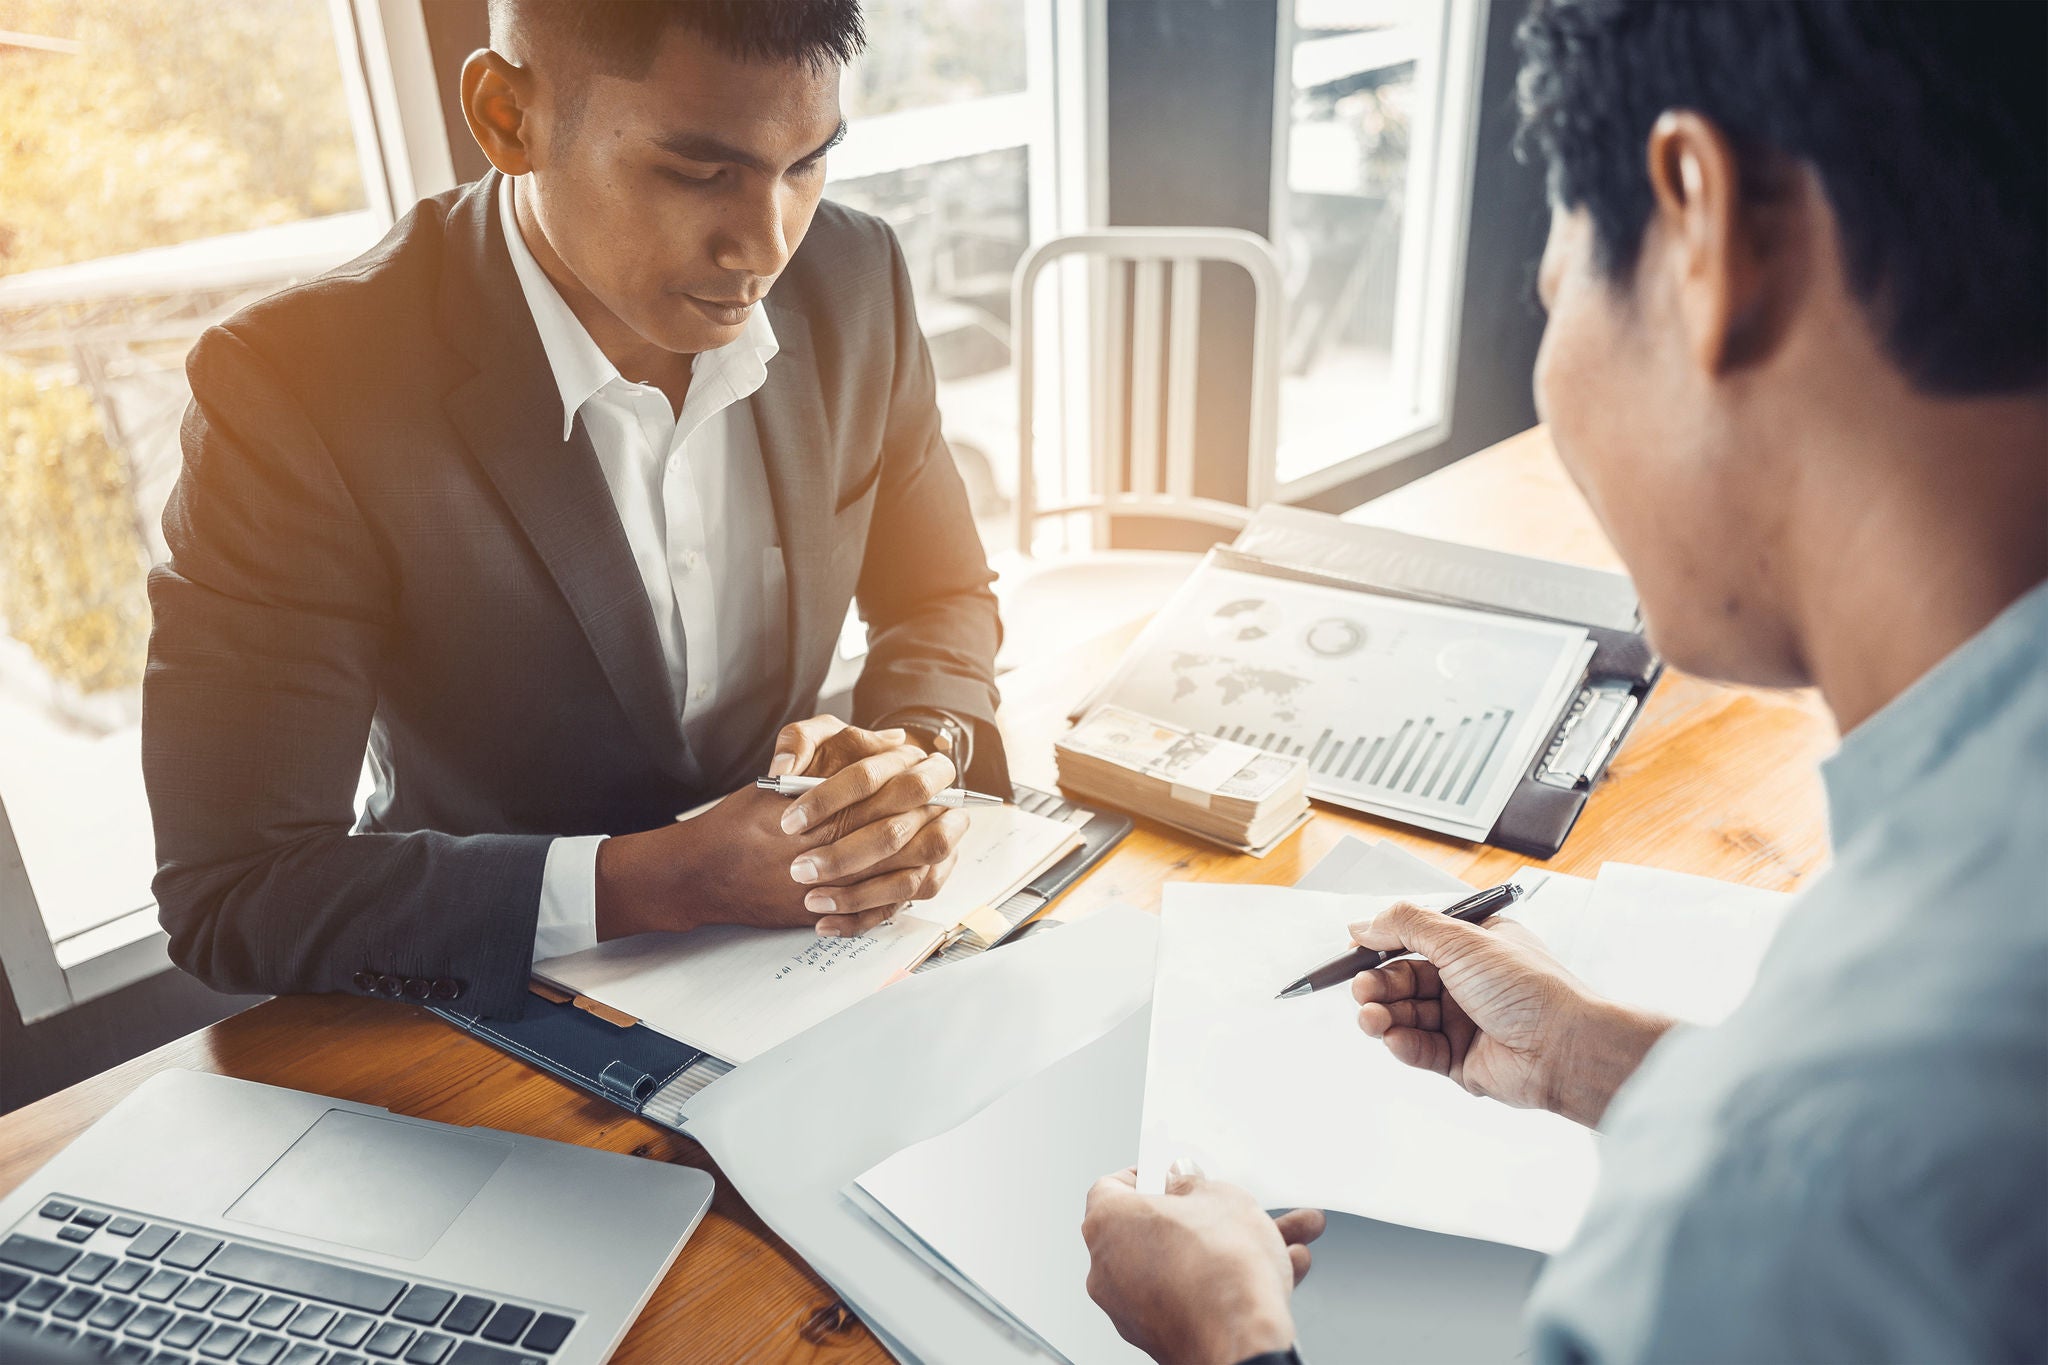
1926, 124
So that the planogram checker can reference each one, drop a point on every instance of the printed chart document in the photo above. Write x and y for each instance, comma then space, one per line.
736, 992
1290, 1099
1422, 713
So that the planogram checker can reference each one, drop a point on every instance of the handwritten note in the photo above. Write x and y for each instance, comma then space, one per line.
736, 992
823, 956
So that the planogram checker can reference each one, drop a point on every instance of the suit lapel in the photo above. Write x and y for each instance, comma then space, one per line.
510, 414
789, 415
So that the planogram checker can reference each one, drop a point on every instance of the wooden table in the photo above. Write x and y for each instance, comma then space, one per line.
1714, 780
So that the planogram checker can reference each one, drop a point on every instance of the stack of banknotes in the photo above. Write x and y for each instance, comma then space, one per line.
1228, 793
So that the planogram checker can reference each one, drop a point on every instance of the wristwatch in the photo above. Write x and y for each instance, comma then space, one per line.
935, 732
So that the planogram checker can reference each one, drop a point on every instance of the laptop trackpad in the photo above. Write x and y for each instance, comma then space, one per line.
370, 1183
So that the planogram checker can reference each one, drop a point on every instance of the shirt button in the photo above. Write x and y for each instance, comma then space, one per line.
700, 692
689, 559
390, 985
365, 982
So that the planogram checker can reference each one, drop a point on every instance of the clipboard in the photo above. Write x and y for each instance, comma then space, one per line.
623, 1061
1597, 715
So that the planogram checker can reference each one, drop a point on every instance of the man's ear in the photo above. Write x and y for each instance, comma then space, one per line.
496, 100
1723, 238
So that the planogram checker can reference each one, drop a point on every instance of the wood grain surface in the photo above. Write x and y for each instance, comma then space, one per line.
1714, 780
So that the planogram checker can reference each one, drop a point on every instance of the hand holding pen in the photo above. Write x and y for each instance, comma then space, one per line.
843, 856
1490, 1008
1474, 909
876, 833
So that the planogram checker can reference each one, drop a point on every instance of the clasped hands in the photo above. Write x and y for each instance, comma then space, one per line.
842, 857
1202, 1275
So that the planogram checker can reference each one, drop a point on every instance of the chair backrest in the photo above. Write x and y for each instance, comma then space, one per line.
1156, 323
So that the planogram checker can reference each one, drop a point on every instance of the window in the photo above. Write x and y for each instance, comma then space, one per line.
166, 163
950, 140
1371, 172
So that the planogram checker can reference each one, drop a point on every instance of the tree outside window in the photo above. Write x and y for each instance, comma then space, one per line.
132, 135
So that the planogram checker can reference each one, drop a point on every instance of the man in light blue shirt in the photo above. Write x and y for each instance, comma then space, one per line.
1797, 360
1855, 1165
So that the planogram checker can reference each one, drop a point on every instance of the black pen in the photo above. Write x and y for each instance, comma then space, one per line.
1474, 909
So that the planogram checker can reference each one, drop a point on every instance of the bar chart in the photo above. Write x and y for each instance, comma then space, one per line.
1436, 759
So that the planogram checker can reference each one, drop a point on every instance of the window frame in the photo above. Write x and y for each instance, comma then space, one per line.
1059, 121
1430, 299
402, 146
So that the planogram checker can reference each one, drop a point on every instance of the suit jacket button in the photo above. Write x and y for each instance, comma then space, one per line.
366, 982
416, 987
390, 985
447, 988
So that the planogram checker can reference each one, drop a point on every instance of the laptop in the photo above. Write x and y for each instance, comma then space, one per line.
206, 1219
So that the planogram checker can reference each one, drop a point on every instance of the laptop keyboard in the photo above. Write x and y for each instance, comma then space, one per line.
140, 1290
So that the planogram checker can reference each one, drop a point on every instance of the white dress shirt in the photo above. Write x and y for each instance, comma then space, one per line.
692, 495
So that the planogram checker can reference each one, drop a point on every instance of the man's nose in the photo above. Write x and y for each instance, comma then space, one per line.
752, 240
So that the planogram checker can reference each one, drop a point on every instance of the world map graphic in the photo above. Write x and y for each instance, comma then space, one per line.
1235, 681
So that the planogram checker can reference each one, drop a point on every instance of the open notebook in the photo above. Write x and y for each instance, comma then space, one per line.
737, 992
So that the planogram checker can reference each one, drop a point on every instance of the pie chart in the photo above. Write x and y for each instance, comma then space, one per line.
1333, 637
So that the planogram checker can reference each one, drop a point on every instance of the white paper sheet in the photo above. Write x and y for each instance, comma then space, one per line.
1005, 847
911, 1242
1688, 946
737, 992
1412, 1295
1289, 1099
999, 1198
1378, 867
795, 1127
1302, 1108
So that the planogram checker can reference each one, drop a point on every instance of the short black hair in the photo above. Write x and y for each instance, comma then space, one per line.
1925, 123
618, 37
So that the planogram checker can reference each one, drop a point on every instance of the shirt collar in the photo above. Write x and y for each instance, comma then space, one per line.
581, 369
1909, 738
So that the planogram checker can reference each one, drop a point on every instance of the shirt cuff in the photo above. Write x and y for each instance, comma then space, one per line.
568, 898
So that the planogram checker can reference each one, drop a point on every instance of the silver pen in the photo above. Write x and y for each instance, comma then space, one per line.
954, 797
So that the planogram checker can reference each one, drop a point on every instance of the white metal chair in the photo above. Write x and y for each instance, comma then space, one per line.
1147, 329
